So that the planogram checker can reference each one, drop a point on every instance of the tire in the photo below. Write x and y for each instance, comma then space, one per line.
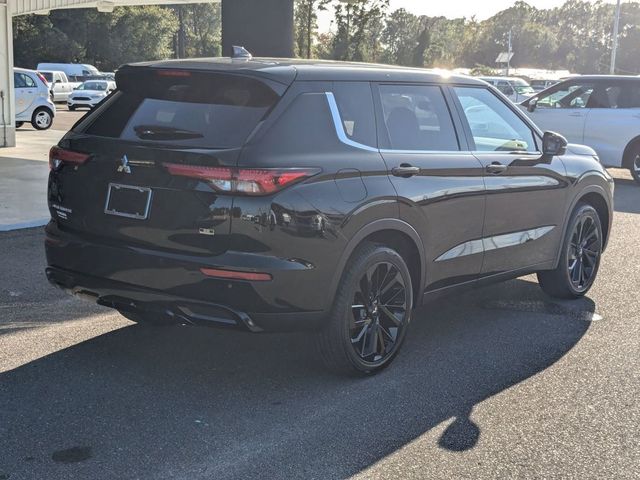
42, 118
72, 108
19, 124
578, 266
634, 163
363, 336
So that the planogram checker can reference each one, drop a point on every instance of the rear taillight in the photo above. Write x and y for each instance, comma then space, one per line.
244, 181
42, 79
59, 156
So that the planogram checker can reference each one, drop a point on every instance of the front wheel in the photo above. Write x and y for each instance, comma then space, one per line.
42, 119
580, 257
370, 314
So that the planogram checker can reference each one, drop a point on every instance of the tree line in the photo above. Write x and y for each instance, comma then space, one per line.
576, 36
128, 34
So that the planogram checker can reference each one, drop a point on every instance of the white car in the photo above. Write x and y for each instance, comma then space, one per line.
601, 111
90, 93
33, 102
76, 72
59, 84
516, 89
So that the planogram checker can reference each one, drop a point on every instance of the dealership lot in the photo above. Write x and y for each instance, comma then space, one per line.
503, 382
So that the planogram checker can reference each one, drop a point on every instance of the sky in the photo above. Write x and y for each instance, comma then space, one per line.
482, 9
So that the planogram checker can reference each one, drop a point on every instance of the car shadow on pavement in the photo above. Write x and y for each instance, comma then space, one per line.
626, 196
171, 402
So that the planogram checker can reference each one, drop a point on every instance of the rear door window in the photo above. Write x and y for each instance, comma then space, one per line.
185, 108
22, 80
417, 118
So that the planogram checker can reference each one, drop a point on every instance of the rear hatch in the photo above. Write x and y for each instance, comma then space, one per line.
135, 170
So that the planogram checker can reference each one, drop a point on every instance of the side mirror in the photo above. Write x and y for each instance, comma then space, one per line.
553, 144
531, 106
58, 81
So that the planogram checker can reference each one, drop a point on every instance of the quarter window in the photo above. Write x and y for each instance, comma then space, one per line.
355, 103
494, 126
417, 118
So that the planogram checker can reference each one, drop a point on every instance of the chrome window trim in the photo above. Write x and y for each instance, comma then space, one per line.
439, 152
510, 153
339, 126
342, 136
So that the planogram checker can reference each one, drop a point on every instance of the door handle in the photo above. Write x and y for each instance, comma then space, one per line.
405, 171
496, 168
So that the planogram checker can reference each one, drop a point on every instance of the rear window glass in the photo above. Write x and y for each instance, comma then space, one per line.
186, 108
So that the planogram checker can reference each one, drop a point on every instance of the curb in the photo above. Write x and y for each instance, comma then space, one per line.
18, 226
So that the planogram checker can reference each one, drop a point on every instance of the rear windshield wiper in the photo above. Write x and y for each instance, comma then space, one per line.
160, 132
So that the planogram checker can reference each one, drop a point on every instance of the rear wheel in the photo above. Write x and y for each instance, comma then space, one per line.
580, 256
42, 118
370, 314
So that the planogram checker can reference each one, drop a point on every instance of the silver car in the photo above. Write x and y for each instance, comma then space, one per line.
33, 101
90, 93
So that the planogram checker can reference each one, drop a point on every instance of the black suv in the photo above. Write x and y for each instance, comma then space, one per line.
279, 194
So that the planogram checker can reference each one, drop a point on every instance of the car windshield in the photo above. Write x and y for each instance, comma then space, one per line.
100, 86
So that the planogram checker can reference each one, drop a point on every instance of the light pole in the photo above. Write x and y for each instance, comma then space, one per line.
614, 48
509, 52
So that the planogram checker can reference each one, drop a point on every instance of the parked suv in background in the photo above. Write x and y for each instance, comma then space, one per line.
33, 102
602, 111
274, 195
516, 89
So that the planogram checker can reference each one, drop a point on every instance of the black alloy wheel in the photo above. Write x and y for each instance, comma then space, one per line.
379, 312
371, 312
580, 257
584, 252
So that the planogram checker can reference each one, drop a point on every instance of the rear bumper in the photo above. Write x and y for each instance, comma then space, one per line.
140, 281
132, 299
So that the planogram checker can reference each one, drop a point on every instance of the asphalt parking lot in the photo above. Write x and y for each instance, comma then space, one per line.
500, 383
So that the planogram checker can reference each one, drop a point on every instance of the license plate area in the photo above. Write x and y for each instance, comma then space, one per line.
128, 201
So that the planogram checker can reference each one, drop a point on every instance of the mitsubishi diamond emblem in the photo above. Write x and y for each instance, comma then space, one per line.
124, 165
